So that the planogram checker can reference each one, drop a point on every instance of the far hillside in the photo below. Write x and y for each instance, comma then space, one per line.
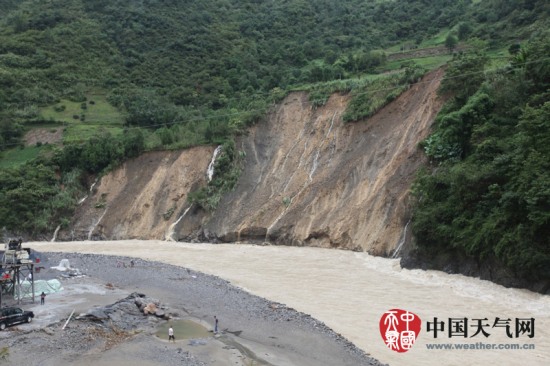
213, 67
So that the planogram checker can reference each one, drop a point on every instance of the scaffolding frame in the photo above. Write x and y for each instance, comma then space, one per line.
19, 272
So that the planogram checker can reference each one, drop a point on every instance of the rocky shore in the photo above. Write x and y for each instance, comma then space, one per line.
109, 326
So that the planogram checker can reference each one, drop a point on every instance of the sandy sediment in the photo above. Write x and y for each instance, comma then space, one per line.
252, 330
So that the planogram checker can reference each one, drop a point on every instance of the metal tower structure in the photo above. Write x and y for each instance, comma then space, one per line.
16, 268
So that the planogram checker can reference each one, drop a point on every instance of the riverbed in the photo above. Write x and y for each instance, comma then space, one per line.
350, 291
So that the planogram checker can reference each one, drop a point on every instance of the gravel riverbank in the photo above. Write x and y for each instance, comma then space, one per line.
252, 330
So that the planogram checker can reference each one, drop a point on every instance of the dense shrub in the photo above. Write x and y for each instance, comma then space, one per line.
488, 196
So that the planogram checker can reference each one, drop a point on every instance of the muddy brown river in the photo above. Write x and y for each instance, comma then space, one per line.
350, 291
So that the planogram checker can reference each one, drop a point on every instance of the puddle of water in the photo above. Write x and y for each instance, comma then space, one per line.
183, 329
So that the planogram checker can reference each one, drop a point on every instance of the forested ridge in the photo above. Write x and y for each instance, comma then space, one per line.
162, 74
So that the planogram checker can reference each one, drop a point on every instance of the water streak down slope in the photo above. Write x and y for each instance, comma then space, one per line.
309, 179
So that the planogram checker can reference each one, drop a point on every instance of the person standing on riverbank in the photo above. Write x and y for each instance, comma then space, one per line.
42, 298
171, 334
215, 324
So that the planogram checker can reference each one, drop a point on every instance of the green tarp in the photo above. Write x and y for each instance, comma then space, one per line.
48, 287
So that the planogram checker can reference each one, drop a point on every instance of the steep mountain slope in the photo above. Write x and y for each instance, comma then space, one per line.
308, 179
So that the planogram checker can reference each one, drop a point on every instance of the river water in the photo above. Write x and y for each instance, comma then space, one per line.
350, 291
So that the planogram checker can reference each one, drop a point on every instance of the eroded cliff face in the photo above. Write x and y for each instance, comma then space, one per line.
143, 198
308, 179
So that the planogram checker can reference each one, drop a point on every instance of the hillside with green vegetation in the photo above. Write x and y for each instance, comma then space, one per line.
162, 63
487, 193
123, 77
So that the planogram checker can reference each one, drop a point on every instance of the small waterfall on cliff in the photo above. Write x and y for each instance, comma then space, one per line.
331, 124
93, 185
171, 230
92, 228
210, 170
81, 201
297, 141
401, 240
314, 165
55, 233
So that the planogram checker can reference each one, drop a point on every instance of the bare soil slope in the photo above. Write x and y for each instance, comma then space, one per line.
141, 199
308, 179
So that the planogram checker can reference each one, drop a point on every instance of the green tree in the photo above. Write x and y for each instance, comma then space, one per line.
133, 141
464, 31
451, 42
464, 75
25, 194
514, 49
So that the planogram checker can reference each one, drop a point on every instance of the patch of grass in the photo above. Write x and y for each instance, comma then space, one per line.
81, 132
432, 62
84, 119
437, 40
18, 156
320, 92
429, 62
96, 111
393, 49
498, 58
368, 100
375, 94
